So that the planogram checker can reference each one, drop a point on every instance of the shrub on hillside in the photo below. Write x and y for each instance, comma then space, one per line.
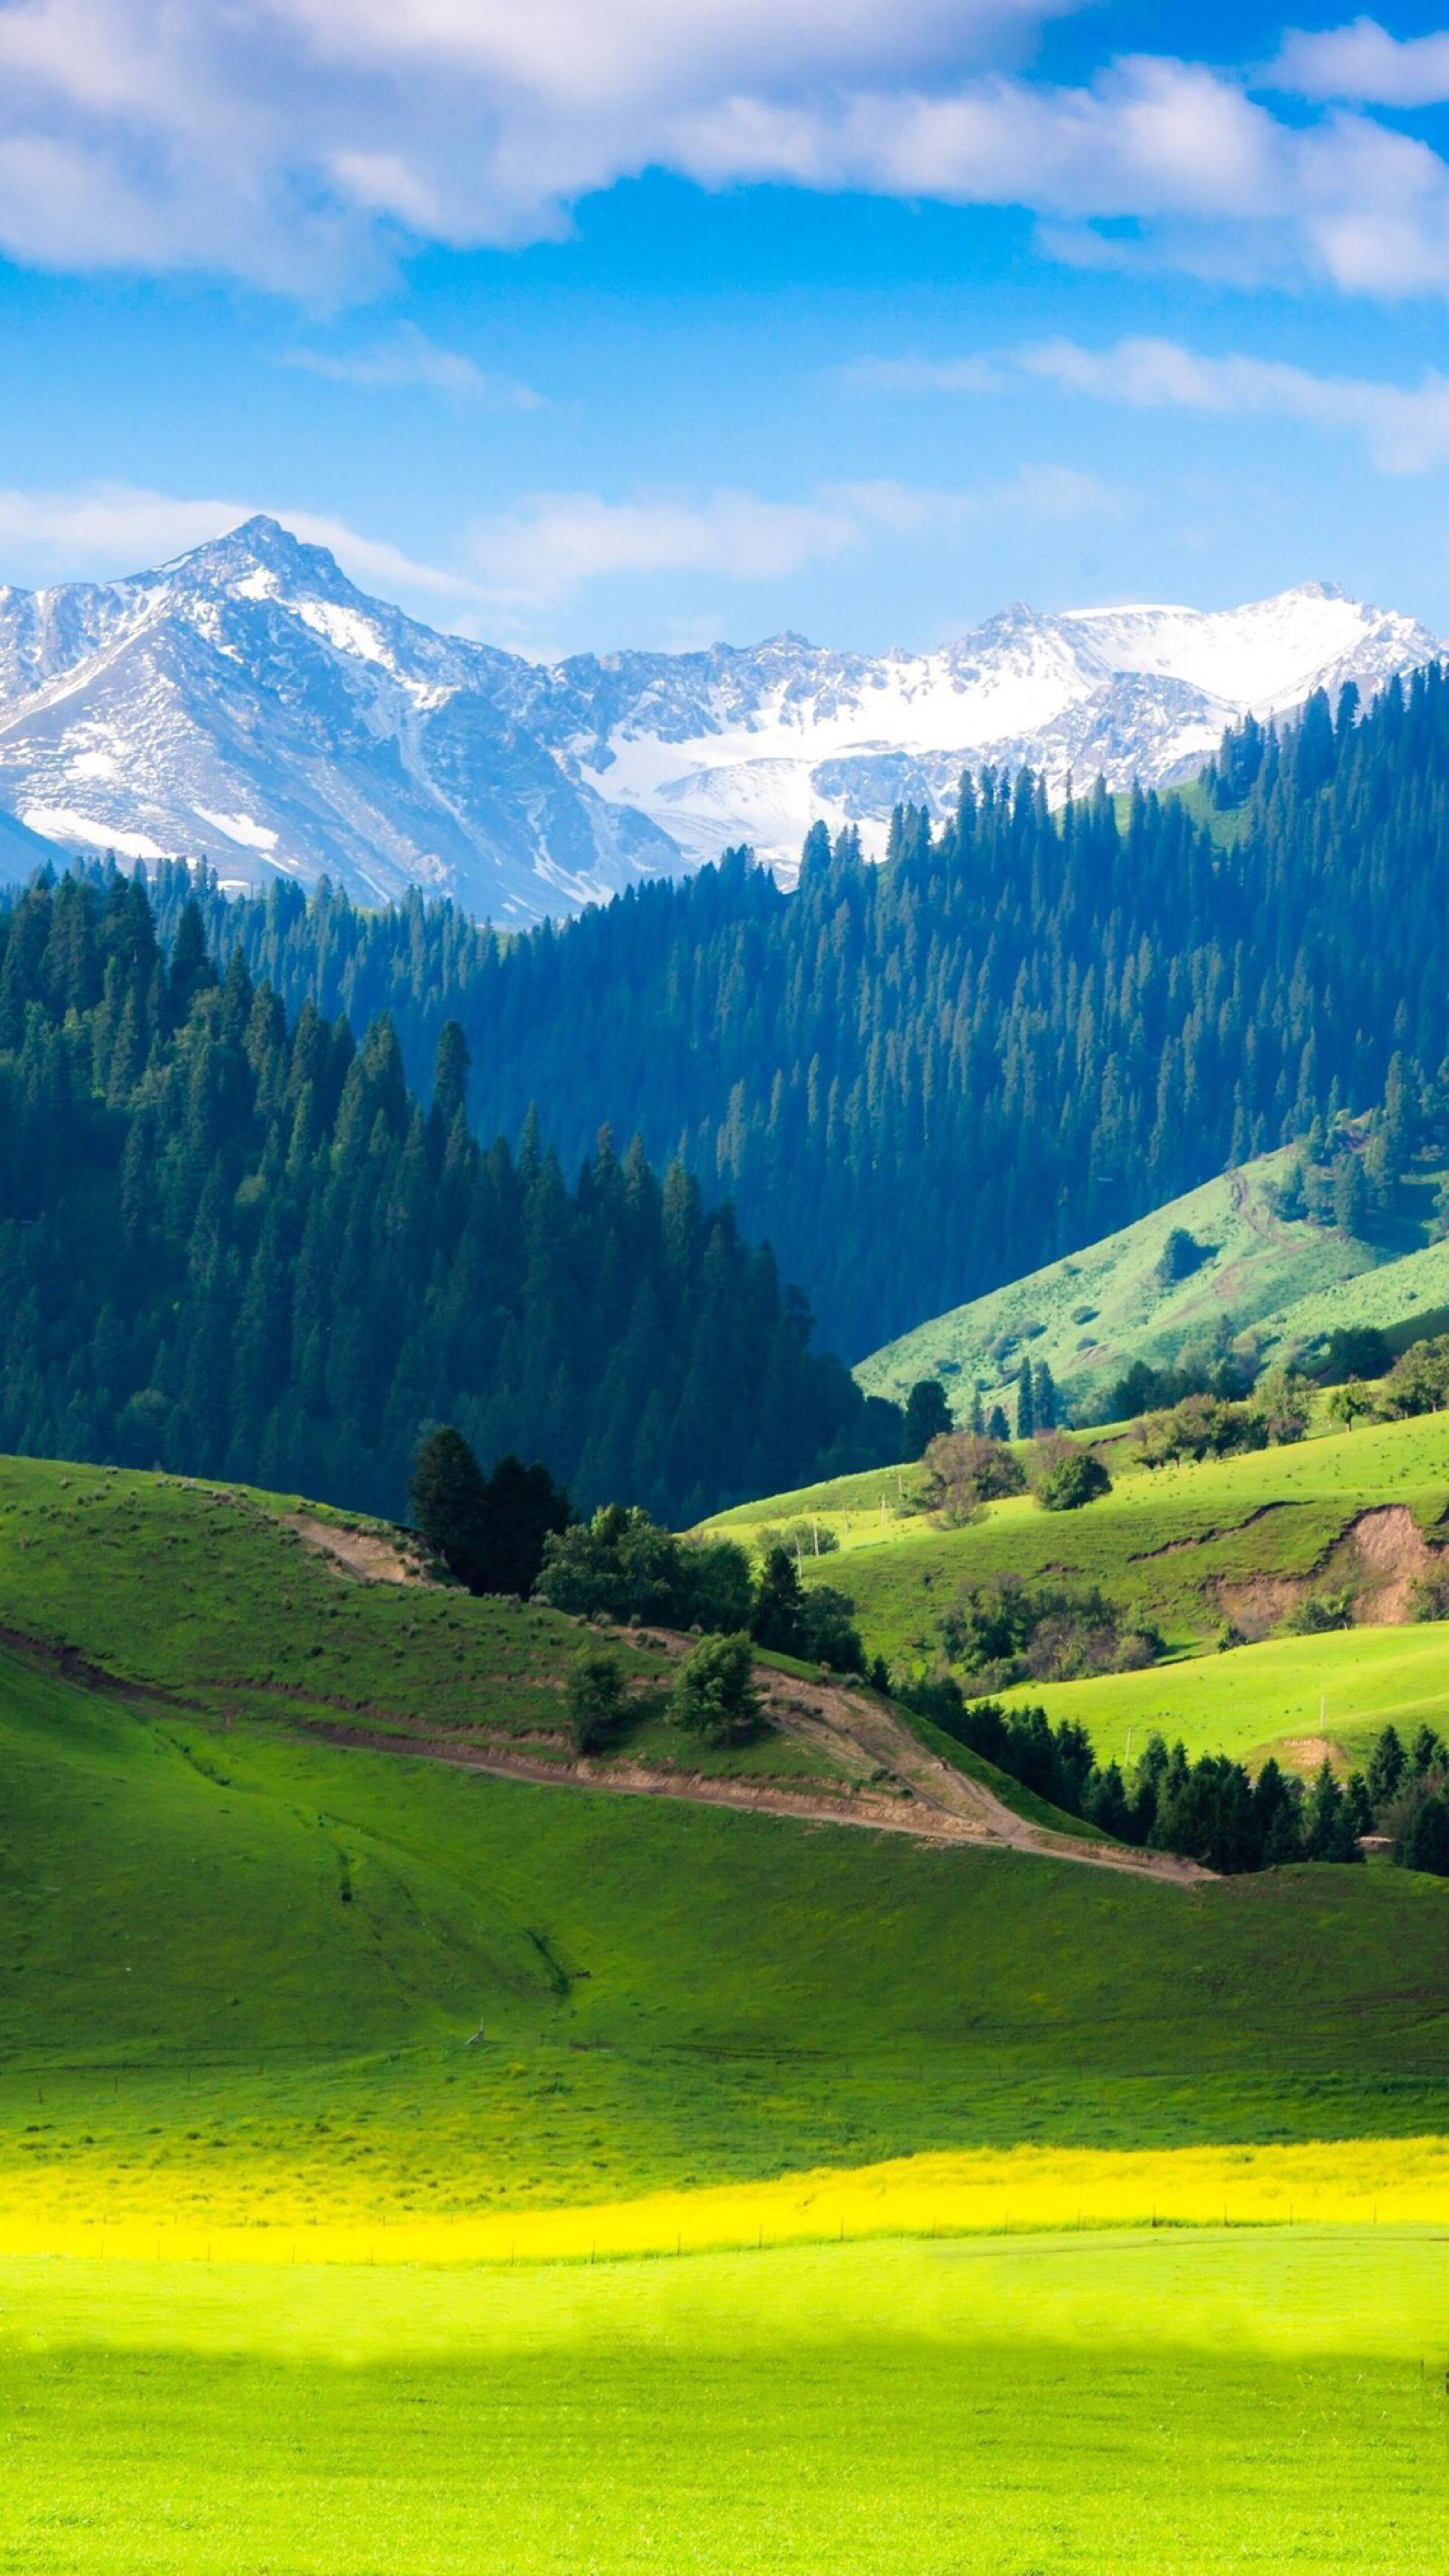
1065, 1477
1429, 1595
621, 1564
1321, 1613
1213, 1426
715, 1695
1418, 1382
1002, 1632
595, 1695
964, 1470
1180, 1256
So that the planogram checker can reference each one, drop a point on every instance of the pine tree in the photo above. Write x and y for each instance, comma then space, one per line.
928, 1416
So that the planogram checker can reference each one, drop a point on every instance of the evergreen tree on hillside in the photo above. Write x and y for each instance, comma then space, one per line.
447, 1495
1025, 1404
234, 1246
928, 1416
1046, 1401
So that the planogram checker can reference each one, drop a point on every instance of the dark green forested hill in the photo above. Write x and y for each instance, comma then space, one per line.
234, 1245
921, 1080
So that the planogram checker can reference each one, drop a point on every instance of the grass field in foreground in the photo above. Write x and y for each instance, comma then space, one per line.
1084, 2405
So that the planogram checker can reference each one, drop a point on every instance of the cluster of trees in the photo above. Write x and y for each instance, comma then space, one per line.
715, 1696
489, 1531
1005, 1631
622, 1566
1349, 1173
1403, 1794
1148, 1388
923, 1079
966, 1470
1213, 1426
1035, 1406
234, 1244
1211, 1810
1416, 1382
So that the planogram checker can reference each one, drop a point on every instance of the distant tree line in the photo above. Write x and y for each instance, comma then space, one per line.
1211, 1810
924, 1079
237, 1244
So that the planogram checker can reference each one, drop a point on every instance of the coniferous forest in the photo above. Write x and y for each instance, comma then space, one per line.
919, 1080
236, 1245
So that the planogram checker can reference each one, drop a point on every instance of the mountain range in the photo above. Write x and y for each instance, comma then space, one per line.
248, 706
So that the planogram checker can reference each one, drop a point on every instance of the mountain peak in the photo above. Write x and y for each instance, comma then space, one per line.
260, 543
249, 706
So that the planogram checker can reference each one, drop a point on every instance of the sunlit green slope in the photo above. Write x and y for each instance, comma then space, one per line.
1284, 1281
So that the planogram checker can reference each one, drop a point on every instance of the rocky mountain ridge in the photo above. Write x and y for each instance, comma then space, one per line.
249, 706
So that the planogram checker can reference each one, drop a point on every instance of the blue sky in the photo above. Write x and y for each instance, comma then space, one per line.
651, 321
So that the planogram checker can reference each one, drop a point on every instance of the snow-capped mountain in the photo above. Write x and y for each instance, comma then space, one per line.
247, 705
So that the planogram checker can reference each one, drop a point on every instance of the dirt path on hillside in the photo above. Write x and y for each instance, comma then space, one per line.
950, 1799
941, 1805
366, 1555
893, 1783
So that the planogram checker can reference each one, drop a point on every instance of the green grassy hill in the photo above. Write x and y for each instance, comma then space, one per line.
1193, 1550
1283, 1282
254, 1964
260, 1981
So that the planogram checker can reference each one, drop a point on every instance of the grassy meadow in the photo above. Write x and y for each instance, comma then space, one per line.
1293, 1696
1088, 2403
404, 2167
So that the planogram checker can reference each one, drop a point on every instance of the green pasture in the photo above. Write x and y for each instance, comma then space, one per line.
1174, 1543
1287, 1695
1195, 2404
262, 1976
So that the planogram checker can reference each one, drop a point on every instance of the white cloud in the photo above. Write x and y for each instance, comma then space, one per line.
554, 543
1363, 62
1405, 429
307, 144
409, 358
298, 142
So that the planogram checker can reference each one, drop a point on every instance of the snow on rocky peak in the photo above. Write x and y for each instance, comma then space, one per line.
247, 705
